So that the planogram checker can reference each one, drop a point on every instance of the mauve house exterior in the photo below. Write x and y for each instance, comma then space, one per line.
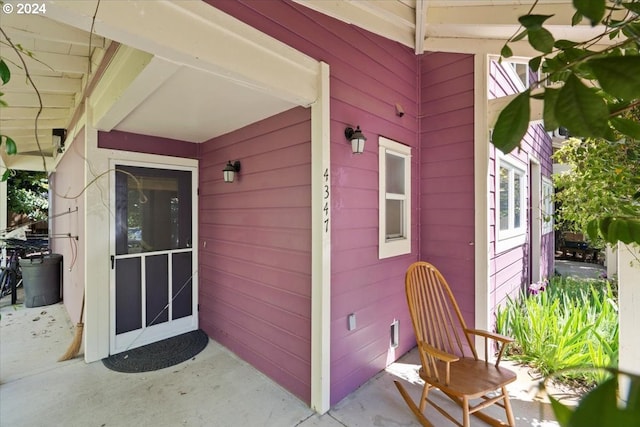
255, 275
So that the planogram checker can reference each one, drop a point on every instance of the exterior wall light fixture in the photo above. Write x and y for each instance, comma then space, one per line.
229, 171
357, 139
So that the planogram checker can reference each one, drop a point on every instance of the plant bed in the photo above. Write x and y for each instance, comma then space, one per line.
566, 324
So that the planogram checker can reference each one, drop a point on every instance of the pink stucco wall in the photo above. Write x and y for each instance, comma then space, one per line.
447, 172
126, 141
67, 223
510, 269
369, 75
255, 247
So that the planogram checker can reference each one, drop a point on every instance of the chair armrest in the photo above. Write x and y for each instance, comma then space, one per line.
438, 354
502, 338
433, 353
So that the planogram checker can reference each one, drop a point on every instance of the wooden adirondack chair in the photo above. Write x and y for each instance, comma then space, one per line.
450, 363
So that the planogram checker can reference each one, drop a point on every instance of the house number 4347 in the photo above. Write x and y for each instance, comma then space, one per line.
325, 203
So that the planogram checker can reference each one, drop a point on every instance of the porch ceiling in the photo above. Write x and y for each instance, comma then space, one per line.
184, 97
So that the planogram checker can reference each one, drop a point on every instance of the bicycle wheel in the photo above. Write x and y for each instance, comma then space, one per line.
5, 284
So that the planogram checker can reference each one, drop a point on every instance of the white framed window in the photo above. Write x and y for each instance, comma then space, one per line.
520, 74
394, 224
547, 206
511, 209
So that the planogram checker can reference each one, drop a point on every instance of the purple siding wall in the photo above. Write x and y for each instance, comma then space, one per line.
447, 172
118, 140
66, 186
509, 269
255, 243
369, 75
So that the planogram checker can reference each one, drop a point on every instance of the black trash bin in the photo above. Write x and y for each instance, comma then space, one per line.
41, 278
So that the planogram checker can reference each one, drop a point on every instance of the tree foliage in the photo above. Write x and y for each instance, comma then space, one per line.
27, 193
589, 90
604, 181
8, 142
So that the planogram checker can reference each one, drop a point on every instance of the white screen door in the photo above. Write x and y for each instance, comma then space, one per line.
153, 292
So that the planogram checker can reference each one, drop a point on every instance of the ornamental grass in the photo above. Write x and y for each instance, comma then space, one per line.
568, 323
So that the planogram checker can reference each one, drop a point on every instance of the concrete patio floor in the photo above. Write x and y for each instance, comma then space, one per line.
579, 270
215, 388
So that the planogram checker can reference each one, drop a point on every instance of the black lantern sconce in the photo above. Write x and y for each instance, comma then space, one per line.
229, 171
357, 139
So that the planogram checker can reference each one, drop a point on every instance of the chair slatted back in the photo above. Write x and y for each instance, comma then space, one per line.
435, 315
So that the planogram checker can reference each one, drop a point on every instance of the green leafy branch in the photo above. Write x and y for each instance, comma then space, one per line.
607, 404
5, 76
589, 92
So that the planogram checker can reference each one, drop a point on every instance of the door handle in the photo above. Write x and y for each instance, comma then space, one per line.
113, 260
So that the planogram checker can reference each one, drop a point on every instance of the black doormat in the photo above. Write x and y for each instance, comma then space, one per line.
159, 355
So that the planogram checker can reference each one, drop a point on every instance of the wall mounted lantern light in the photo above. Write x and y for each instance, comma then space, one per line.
357, 139
58, 139
229, 171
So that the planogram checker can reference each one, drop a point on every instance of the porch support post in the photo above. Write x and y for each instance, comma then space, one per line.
320, 247
481, 191
3, 201
629, 300
96, 232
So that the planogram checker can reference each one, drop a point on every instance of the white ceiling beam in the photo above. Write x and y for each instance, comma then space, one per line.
40, 27
390, 10
21, 133
132, 76
30, 113
476, 46
23, 99
8, 125
498, 14
47, 62
359, 14
45, 84
28, 162
420, 30
267, 65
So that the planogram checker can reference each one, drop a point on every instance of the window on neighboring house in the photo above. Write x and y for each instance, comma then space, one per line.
511, 210
521, 75
395, 198
547, 206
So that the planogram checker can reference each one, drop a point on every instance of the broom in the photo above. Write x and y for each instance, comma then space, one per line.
74, 348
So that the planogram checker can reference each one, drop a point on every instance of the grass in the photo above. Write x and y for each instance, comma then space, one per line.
573, 323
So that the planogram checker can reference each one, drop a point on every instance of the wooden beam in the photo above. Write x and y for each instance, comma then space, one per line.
28, 162
498, 14
7, 125
421, 18
45, 84
48, 62
30, 113
39, 27
361, 14
265, 64
124, 68
19, 99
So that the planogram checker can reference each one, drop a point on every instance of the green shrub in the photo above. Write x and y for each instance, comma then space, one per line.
572, 323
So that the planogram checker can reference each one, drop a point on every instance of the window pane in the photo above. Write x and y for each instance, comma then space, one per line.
395, 174
504, 199
153, 209
394, 225
517, 197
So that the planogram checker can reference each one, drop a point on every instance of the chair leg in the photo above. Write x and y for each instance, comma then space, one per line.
419, 415
465, 412
507, 407
423, 397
